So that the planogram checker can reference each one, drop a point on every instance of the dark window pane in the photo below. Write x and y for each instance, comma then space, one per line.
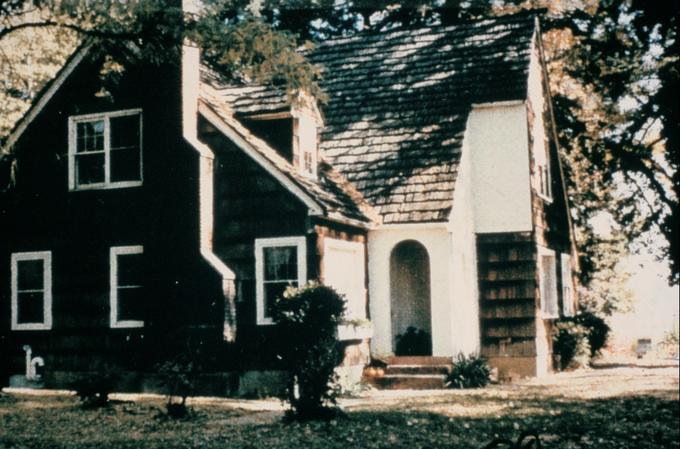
130, 302
90, 136
30, 307
280, 263
89, 168
30, 274
272, 291
130, 269
125, 165
125, 131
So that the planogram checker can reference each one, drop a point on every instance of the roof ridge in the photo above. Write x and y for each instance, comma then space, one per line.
410, 29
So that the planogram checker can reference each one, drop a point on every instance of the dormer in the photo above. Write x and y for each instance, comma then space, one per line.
293, 133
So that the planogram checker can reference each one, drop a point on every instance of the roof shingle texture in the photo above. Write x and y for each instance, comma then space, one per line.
399, 102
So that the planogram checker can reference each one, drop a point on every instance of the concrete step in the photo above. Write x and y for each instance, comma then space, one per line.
418, 360
418, 369
408, 381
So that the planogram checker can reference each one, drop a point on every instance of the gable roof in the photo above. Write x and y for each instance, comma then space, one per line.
399, 102
330, 192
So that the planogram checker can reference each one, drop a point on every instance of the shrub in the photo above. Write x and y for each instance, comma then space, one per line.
178, 375
308, 317
94, 389
596, 328
470, 371
570, 344
414, 342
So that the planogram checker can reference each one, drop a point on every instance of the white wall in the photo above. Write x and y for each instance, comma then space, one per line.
497, 140
437, 242
465, 331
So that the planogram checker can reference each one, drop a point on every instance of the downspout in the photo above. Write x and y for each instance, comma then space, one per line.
190, 85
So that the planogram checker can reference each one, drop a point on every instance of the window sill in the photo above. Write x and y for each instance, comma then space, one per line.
544, 197
117, 185
127, 325
31, 327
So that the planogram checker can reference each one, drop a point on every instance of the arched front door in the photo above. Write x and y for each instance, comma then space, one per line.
410, 299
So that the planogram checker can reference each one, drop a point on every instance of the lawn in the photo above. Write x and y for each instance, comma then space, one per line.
620, 407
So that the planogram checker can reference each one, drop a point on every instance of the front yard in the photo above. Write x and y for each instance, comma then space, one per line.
612, 407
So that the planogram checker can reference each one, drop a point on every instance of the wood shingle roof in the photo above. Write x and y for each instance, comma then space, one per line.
398, 106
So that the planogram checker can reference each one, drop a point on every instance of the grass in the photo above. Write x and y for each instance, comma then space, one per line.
613, 408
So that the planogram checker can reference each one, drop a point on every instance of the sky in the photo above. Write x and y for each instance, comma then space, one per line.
656, 304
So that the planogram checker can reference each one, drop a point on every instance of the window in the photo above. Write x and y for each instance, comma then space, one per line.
279, 262
542, 161
306, 137
567, 285
105, 150
31, 291
548, 283
126, 286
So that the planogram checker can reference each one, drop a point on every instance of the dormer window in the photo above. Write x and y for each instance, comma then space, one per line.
293, 134
105, 150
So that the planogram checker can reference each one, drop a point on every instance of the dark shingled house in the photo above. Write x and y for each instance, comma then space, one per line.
428, 190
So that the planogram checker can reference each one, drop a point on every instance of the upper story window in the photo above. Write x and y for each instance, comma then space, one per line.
105, 150
279, 263
31, 285
126, 286
542, 181
548, 282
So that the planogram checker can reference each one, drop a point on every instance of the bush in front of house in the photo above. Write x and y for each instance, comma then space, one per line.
94, 389
178, 375
570, 344
414, 342
471, 371
307, 317
597, 330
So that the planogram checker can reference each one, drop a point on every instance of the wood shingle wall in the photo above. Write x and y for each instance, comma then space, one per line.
508, 302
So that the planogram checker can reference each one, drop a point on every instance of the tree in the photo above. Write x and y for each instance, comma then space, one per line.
614, 79
233, 39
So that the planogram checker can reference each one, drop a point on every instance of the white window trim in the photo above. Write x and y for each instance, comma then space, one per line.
542, 251
297, 144
46, 257
567, 276
113, 292
260, 244
72, 137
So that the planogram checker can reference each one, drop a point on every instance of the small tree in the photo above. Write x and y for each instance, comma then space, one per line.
308, 316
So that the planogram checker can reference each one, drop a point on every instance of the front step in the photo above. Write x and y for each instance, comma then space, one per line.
408, 381
410, 373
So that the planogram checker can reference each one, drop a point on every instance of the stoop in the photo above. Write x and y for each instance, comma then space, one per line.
410, 373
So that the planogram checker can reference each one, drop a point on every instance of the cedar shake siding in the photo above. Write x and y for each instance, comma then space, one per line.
79, 228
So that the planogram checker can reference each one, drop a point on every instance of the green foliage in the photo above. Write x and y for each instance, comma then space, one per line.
570, 345
597, 330
178, 376
414, 342
307, 318
470, 371
94, 389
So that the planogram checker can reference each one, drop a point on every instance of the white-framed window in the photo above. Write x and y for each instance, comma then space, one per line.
344, 269
279, 262
542, 181
547, 267
105, 150
127, 287
567, 285
31, 285
306, 139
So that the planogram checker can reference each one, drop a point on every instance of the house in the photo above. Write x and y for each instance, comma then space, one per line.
428, 190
